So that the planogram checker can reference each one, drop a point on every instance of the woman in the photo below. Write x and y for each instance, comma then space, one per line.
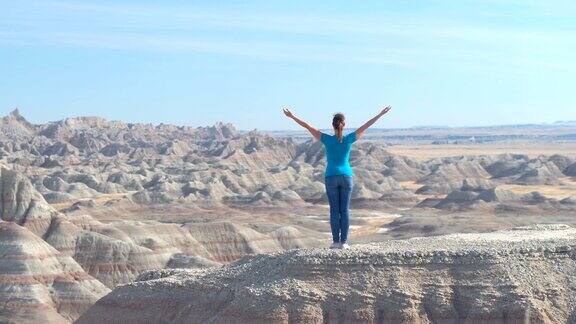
338, 175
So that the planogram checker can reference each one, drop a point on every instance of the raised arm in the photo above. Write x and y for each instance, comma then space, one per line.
313, 130
360, 131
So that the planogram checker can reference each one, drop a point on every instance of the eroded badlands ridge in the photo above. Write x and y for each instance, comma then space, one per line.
508, 276
111, 161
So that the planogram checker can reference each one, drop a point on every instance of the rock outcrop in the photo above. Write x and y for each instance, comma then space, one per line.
22, 204
460, 278
226, 241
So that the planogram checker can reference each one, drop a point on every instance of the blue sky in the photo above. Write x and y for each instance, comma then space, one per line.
437, 62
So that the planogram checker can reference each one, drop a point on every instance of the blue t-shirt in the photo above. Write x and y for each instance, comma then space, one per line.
338, 154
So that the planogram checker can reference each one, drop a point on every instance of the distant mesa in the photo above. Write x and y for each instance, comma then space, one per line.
493, 197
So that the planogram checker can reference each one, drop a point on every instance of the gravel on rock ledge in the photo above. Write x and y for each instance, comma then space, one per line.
517, 275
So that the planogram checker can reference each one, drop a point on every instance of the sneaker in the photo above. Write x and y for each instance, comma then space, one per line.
335, 246
344, 246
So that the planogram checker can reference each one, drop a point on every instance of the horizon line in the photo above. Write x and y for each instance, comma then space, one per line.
555, 123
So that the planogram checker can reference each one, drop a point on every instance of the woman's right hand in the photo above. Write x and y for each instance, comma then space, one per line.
385, 110
288, 113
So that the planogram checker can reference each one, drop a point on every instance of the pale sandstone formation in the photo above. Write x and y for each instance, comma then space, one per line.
514, 276
227, 241
458, 170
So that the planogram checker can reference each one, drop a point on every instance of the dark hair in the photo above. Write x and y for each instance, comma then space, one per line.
338, 124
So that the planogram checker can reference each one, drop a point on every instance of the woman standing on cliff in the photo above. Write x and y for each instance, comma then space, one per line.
338, 175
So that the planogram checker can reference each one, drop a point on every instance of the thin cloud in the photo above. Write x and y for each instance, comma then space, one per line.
273, 51
393, 39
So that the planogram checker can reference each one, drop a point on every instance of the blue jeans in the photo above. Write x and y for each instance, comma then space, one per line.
339, 190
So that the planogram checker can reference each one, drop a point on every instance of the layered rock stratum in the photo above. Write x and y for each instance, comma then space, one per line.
523, 275
38, 284
53, 266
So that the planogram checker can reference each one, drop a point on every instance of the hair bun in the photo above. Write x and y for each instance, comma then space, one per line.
338, 120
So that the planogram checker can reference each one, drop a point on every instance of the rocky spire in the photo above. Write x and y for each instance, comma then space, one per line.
15, 127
